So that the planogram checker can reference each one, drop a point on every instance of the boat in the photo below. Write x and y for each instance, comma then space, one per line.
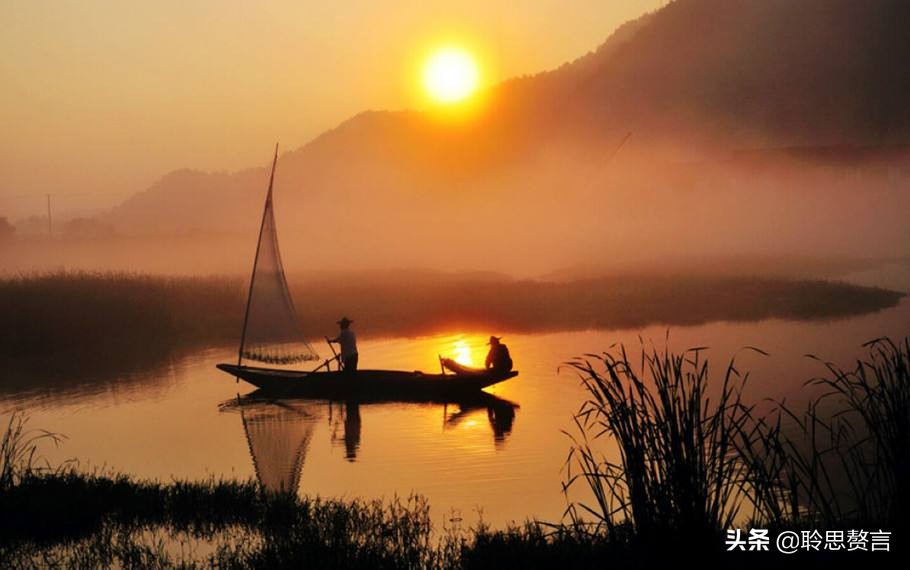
466, 401
272, 334
338, 384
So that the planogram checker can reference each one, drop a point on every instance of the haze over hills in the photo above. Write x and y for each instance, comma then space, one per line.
677, 136
745, 73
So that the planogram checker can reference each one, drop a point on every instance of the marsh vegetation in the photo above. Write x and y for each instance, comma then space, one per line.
85, 315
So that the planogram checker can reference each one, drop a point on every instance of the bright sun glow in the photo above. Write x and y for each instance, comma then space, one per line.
463, 353
450, 75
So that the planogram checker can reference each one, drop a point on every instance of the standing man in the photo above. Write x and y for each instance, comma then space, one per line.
348, 343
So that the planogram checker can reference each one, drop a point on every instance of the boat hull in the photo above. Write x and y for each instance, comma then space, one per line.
364, 382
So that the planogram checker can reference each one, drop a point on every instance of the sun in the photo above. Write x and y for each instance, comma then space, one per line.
450, 75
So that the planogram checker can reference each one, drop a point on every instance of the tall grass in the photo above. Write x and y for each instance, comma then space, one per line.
19, 457
846, 457
71, 519
99, 314
60, 517
693, 459
104, 314
679, 473
402, 303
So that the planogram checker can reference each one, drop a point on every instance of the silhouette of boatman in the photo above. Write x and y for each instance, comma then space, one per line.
498, 358
348, 342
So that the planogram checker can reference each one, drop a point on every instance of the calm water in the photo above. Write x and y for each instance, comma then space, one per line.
504, 456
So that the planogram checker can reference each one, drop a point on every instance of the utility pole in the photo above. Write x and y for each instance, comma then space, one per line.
50, 228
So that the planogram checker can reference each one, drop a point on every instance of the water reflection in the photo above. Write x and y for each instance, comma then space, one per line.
349, 417
279, 430
278, 435
500, 415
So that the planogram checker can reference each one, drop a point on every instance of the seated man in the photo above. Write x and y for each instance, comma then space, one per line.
498, 358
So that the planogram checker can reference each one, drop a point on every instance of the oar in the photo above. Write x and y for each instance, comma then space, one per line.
333, 350
324, 364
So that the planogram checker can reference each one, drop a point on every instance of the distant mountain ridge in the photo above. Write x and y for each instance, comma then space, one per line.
701, 76
766, 72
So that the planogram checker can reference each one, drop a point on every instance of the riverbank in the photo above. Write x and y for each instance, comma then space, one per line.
68, 519
79, 316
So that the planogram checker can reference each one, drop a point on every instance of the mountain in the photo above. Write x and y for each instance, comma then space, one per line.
535, 177
747, 73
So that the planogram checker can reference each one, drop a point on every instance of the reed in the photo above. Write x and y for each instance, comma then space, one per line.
100, 314
542, 545
71, 518
94, 314
846, 457
19, 456
694, 462
678, 473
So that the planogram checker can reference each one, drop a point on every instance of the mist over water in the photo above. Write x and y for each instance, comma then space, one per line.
536, 215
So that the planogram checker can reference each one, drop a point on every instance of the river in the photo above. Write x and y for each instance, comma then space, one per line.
503, 457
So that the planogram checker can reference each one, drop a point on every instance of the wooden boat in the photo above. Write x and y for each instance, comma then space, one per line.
336, 384
467, 401
271, 333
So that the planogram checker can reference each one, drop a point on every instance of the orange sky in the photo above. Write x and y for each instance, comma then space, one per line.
99, 98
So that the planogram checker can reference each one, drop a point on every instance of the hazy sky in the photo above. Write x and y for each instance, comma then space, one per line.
98, 98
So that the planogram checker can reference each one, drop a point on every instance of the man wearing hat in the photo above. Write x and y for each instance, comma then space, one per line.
498, 358
348, 343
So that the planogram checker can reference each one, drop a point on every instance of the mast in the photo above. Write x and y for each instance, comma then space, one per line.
249, 297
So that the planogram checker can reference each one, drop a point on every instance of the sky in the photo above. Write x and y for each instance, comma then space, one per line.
99, 98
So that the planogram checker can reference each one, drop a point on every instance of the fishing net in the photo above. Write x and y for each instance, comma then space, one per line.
273, 333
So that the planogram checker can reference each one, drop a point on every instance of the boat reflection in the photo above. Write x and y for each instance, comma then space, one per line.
500, 414
279, 430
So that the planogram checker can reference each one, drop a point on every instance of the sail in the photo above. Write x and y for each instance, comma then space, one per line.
278, 437
272, 331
